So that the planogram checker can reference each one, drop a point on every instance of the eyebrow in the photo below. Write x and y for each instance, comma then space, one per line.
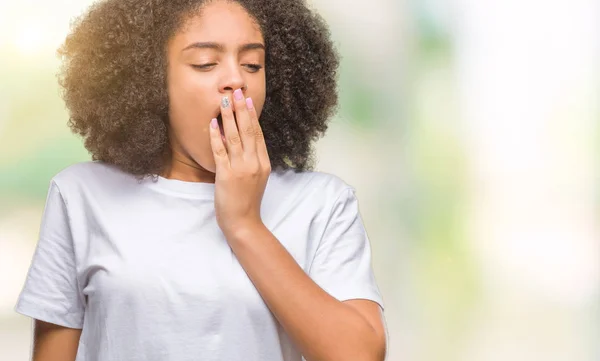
220, 48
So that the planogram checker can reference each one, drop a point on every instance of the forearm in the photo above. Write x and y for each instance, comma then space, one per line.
323, 328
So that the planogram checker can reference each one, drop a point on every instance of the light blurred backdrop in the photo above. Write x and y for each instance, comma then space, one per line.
470, 130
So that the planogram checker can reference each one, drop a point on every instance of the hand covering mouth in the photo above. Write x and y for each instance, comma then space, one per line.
220, 121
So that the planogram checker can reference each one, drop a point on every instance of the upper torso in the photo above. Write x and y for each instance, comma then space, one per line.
157, 279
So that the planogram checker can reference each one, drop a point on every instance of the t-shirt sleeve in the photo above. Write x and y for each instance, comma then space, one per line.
51, 292
342, 264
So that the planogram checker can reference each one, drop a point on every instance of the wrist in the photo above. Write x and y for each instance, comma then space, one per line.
243, 231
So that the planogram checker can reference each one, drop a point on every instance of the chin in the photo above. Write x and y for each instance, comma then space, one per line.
212, 168
203, 161
207, 165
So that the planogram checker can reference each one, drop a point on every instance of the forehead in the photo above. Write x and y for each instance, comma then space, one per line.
222, 22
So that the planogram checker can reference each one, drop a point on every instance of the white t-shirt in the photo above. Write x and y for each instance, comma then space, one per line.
145, 271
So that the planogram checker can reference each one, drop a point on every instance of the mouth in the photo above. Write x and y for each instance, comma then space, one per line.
220, 121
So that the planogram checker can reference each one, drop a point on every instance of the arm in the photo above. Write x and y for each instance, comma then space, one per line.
323, 328
51, 296
54, 343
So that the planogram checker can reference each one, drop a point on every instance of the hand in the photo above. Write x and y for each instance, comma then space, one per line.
242, 165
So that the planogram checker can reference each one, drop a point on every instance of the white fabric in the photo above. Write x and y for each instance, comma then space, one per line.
144, 270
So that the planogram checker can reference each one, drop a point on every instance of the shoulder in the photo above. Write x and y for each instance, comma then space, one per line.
310, 180
313, 186
92, 176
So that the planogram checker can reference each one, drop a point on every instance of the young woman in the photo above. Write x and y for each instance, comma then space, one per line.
199, 230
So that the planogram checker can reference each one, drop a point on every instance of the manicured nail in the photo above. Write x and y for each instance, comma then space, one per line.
249, 103
238, 94
225, 102
213, 123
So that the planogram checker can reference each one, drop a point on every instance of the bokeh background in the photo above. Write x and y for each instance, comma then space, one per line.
470, 129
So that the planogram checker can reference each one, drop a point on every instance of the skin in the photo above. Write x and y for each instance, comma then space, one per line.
323, 328
195, 94
54, 343
235, 158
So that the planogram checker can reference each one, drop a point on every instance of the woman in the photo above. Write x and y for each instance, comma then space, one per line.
197, 233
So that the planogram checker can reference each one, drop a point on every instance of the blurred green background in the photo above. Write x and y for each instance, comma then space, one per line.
470, 131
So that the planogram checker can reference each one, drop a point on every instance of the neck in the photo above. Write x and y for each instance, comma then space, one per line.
186, 169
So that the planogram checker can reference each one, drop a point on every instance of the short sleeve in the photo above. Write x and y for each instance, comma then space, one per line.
342, 265
51, 291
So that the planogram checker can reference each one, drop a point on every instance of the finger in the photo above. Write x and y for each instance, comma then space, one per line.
244, 123
261, 145
233, 142
218, 146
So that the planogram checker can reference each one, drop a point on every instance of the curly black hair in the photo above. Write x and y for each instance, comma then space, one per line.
113, 77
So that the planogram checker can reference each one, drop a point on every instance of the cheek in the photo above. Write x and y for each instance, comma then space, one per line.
183, 90
259, 105
258, 100
187, 96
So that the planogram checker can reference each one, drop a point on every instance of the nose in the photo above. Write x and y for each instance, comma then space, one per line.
232, 80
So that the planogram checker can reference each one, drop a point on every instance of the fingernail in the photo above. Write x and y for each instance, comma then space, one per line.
238, 94
249, 103
213, 123
225, 102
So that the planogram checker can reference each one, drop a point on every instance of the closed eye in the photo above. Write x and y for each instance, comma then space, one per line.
203, 66
253, 67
